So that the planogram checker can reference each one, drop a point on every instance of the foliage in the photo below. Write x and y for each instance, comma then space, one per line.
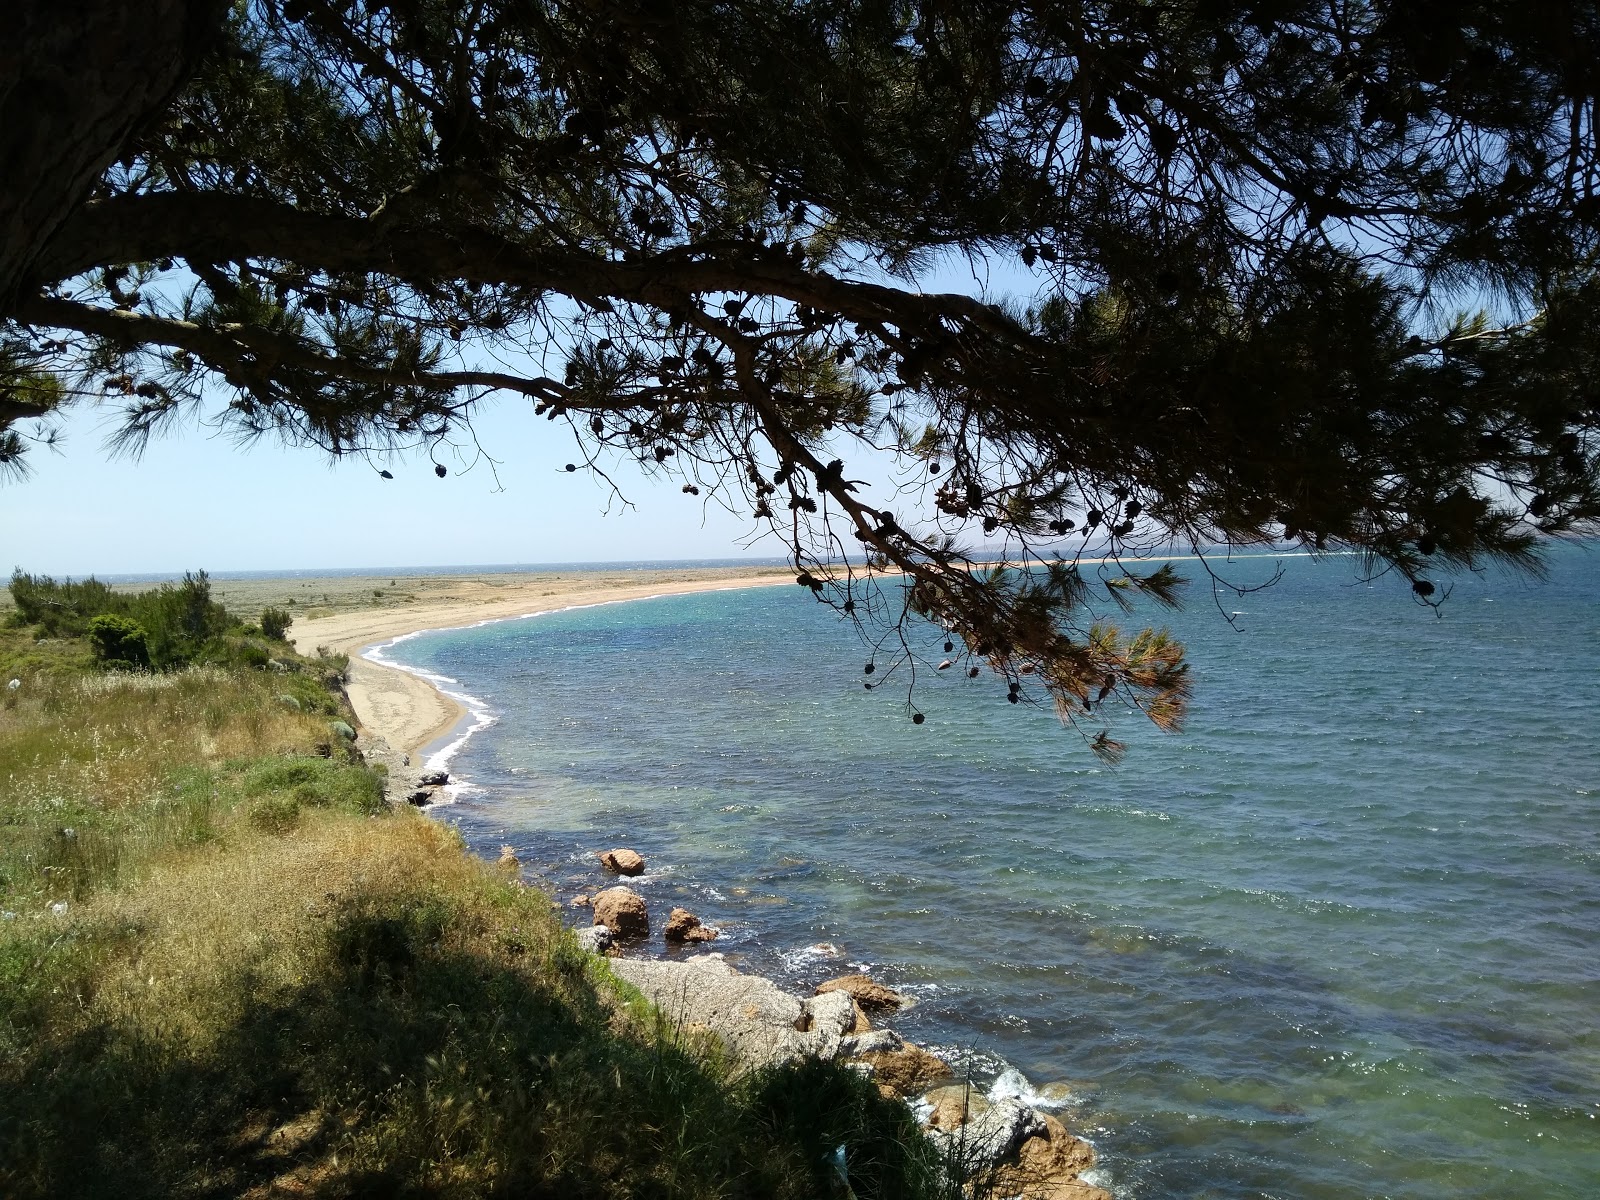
713, 235
119, 640
275, 623
180, 623
261, 979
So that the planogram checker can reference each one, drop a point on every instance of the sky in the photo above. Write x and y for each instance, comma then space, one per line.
196, 499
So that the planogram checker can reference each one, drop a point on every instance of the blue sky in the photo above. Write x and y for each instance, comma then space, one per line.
197, 500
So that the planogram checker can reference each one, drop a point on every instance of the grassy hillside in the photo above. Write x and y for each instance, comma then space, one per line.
227, 968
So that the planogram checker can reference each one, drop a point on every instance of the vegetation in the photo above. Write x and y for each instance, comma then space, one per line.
709, 238
228, 968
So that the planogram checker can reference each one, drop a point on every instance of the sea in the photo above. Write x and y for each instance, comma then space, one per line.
1339, 937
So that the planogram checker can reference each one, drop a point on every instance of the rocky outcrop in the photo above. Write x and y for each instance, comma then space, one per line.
865, 991
987, 1138
684, 926
623, 862
622, 911
952, 1105
433, 779
907, 1071
1049, 1166
760, 1024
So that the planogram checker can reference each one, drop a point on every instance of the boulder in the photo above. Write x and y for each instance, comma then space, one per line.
872, 1041
622, 912
832, 1014
684, 926
580, 901
953, 1105
596, 939
433, 779
757, 1021
860, 1024
989, 1137
623, 862
420, 798
870, 995
508, 859
910, 1070
1048, 1166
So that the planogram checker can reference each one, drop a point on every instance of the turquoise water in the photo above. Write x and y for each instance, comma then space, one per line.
1338, 938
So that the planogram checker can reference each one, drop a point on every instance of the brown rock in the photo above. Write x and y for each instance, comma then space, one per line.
622, 911
871, 996
862, 1025
1048, 1167
623, 862
508, 858
954, 1105
910, 1071
580, 901
684, 926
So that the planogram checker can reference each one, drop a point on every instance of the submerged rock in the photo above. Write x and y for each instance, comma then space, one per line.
867, 992
623, 862
622, 911
684, 926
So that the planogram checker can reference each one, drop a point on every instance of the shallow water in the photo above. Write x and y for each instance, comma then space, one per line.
1338, 938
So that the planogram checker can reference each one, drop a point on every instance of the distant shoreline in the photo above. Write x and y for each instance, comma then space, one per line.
405, 709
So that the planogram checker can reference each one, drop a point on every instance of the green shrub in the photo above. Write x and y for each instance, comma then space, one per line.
119, 640
275, 623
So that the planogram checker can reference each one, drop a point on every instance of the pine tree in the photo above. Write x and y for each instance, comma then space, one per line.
1248, 228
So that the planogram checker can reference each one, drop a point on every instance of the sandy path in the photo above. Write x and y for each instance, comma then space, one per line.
407, 712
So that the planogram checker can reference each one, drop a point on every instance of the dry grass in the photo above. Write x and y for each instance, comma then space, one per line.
265, 983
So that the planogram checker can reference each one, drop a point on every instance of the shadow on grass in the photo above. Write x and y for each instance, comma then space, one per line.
406, 1065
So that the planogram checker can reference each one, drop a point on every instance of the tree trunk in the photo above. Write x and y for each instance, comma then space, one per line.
77, 78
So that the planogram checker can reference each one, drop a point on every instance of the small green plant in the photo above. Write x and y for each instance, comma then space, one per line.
275, 623
119, 640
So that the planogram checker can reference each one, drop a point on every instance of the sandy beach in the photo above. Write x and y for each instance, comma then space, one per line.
344, 614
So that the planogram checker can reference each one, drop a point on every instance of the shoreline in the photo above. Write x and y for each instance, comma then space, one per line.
405, 712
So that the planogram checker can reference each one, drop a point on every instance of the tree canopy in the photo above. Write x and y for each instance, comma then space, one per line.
1316, 273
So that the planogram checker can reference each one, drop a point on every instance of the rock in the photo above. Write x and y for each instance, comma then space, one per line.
910, 1070
420, 798
871, 1042
596, 939
622, 912
831, 1014
508, 859
623, 862
861, 1024
1048, 1166
684, 926
988, 1137
953, 1105
434, 779
580, 901
757, 1021
871, 996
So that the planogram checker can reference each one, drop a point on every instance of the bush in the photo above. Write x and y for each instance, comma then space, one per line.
275, 623
119, 640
